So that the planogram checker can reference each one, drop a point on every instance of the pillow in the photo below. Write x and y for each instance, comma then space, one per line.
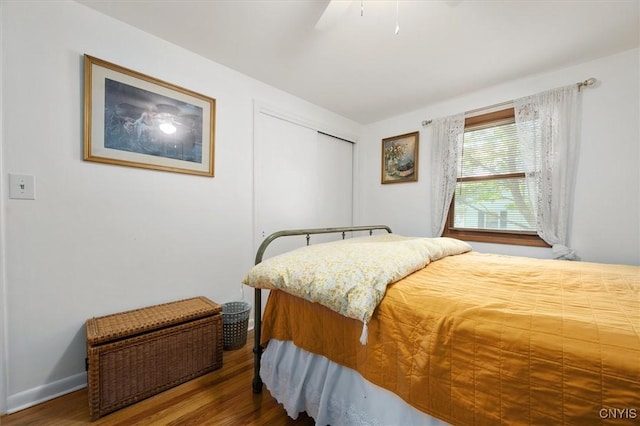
350, 276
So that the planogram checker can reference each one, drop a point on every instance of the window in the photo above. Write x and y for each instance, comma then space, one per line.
491, 201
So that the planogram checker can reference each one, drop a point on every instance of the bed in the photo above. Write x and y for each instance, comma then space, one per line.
467, 338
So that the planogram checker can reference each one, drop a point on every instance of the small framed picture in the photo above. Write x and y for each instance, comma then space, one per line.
131, 119
400, 158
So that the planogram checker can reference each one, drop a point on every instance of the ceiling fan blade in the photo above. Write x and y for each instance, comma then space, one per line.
335, 11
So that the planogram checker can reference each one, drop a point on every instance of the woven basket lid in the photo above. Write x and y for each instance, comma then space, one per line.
137, 321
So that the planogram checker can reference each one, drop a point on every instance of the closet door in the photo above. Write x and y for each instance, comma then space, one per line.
334, 194
303, 179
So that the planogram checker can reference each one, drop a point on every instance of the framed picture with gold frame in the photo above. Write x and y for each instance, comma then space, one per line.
132, 119
400, 158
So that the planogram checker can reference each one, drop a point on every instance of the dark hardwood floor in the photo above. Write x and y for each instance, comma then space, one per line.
223, 397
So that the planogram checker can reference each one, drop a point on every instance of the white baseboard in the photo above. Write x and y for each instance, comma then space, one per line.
43, 393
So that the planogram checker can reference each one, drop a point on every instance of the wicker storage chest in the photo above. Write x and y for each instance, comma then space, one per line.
135, 354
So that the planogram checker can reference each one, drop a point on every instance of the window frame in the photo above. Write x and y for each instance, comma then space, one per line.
494, 118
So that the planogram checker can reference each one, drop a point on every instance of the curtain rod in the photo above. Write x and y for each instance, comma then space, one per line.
586, 83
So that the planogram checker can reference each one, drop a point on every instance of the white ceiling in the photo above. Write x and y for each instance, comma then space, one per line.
348, 59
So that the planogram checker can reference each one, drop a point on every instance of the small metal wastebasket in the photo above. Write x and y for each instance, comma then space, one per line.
235, 322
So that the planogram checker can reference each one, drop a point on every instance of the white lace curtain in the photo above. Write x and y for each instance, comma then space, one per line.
444, 167
548, 128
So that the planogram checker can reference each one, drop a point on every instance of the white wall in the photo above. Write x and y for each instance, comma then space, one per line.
3, 322
607, 199
99, 238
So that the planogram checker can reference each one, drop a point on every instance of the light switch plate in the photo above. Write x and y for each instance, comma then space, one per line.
22, 187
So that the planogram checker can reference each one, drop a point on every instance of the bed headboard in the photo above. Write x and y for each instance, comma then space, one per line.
312, 231
257, 300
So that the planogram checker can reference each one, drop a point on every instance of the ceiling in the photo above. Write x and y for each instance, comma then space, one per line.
345, 55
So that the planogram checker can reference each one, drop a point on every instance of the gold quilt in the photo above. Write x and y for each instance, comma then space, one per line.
481, 339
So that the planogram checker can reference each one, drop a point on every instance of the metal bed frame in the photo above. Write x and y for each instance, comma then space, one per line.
257, 304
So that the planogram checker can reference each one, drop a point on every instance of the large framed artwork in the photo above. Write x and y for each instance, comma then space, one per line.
131, 119
400, 158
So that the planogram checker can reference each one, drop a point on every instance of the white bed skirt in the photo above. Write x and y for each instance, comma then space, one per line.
331, 394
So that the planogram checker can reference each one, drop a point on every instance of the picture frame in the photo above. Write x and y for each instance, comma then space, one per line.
132, 119
400, 158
